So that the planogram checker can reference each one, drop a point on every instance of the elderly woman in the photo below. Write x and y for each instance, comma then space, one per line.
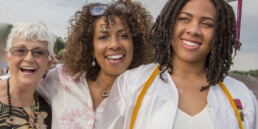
104, 40
28, 55
189, 88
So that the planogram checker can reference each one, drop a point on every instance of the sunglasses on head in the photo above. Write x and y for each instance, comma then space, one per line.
99, 9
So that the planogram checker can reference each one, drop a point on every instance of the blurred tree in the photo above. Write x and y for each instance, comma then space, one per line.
5, 30
253, 73
59, 45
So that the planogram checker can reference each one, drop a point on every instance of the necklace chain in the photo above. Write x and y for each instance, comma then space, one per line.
10, 108
105, 93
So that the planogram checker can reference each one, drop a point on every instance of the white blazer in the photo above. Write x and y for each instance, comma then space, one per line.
159, 106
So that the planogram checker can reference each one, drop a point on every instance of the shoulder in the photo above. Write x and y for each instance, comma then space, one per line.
142, 71
56, 73
4, 77
137, 76
2, 89
239, 90
234, 85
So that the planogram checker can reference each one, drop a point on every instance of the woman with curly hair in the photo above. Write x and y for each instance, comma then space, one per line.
189, 88
103, 41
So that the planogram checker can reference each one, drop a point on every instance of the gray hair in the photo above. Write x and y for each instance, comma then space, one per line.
30, 31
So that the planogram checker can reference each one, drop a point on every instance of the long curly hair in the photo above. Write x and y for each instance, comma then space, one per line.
219, 59
79, 46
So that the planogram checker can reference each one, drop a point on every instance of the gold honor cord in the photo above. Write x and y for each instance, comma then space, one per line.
232, 103
140, 97
149, 81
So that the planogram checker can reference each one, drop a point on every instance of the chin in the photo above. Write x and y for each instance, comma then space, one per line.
29, 81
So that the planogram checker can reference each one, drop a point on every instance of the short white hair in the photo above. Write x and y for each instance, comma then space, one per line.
32, 31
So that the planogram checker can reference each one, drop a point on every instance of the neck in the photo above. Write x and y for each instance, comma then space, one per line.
106, 81
188, 68
21, 95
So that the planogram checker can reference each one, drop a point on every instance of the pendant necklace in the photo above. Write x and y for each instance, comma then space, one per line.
105, 93
36, 108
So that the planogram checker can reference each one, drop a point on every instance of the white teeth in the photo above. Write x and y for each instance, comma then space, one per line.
115, 57
28, 68
190, 43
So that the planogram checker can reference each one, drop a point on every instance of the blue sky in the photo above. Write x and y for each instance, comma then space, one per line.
56, 14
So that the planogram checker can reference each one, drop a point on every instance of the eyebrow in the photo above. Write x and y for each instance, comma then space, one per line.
23, 46
103, 31
119, 31
204, 18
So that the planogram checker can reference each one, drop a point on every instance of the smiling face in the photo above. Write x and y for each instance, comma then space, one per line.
28, 70
193, 31
113, 47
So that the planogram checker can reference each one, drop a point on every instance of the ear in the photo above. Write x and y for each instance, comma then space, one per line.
51, 63
6, 56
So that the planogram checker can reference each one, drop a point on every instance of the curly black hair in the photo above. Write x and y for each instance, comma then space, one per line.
219, 59
79, 46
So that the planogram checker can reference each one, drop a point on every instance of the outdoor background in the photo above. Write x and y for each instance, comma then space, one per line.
56, 15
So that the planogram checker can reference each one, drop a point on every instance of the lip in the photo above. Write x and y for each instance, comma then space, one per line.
26, 70
115, 58
190, 44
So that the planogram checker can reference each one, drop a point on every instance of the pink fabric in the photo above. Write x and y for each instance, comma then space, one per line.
71, 101
238, 103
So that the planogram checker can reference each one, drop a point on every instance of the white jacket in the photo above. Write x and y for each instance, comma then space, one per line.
159, 106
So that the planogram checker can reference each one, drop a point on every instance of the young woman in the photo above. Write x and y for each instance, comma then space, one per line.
28, 55
194, 42
104, 40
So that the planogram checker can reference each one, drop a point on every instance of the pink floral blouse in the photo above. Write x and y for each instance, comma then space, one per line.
71, 101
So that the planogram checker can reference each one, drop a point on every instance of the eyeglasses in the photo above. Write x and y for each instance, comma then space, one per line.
99, 9
36, 53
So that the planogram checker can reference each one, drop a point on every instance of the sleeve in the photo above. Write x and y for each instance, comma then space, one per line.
255, 113
114, 113
46, 86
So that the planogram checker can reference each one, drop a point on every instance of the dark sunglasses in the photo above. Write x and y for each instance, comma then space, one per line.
36, 53
99, 9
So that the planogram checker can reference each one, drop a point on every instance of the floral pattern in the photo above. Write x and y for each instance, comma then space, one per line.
71, 101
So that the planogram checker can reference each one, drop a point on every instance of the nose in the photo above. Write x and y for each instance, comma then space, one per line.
193, 28
29, 57
114, 43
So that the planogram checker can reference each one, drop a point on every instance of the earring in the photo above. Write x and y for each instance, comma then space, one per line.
44, 76
93, 63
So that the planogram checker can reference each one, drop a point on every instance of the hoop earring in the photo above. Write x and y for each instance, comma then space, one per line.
93, 63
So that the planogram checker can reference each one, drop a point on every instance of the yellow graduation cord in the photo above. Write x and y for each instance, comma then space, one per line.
232, 103
149, 81
140, 97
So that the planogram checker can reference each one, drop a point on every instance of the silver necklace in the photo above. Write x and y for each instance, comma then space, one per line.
105, 93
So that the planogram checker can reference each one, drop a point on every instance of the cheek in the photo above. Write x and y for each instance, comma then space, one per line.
98, 48
209, 35
130, 49
44, 65
13, 62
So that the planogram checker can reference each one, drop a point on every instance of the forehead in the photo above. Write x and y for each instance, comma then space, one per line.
114, 24
28, 44
200, 7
